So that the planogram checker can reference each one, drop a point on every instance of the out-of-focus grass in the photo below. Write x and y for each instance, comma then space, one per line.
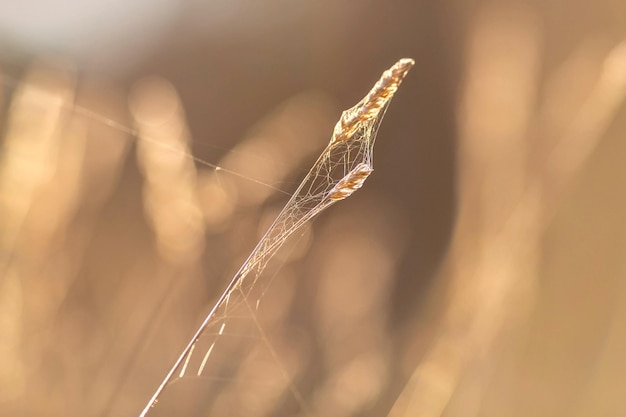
516, 336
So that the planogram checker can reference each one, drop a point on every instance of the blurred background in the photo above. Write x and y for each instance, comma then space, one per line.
480, 272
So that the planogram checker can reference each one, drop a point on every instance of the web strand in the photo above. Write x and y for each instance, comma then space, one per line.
134, 132
340, 170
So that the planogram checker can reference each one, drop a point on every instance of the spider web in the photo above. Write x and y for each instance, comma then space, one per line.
231, 336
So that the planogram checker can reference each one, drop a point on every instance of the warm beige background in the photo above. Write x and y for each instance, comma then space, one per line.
480, 272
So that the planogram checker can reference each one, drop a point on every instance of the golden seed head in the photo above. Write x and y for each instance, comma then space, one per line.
371, 105
351, 182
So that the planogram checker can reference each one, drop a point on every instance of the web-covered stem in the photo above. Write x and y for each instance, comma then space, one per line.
340, 170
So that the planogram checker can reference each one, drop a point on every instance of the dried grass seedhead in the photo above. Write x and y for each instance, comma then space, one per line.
341, 169
373, 103
351, 182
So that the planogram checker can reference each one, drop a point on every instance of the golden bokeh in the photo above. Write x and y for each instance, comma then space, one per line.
478, 272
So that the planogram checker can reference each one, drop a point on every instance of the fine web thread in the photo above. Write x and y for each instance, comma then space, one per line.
340, 170
134, 132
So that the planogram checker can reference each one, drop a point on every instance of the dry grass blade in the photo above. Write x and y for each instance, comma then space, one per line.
340, 170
